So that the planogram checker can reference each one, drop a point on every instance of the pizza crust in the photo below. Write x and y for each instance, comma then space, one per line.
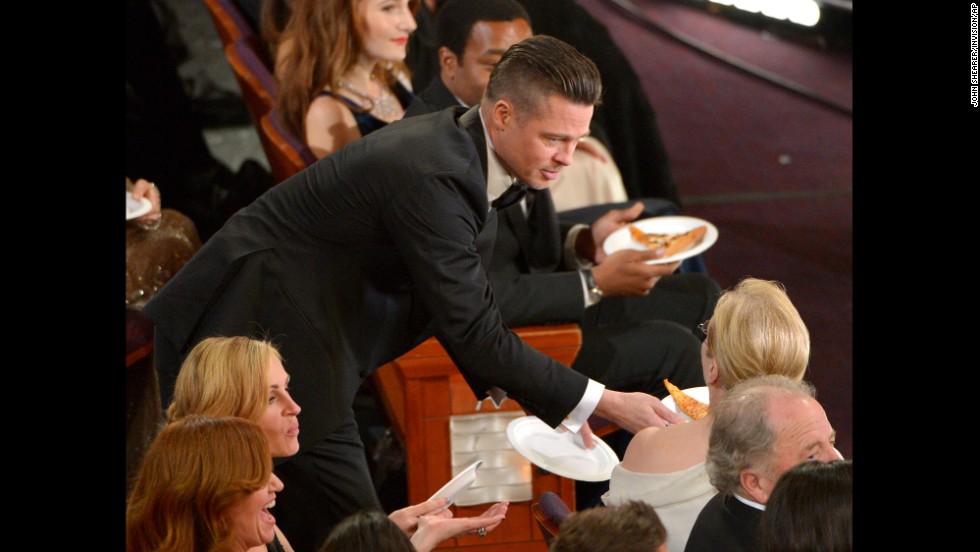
688, 404
672, 243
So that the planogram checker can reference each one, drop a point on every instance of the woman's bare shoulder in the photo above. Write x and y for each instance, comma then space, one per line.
644, 443
330, 125
657, 449
328, 109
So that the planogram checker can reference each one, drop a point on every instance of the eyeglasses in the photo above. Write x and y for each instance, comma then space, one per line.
703, 330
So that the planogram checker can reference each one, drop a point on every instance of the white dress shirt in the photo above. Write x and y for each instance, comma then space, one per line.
498, 180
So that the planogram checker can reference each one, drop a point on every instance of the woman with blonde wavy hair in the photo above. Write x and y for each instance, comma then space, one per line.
341, 71
244, 377
225, 376
205, 485
755, 330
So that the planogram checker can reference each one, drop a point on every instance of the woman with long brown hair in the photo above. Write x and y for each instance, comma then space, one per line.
341, 71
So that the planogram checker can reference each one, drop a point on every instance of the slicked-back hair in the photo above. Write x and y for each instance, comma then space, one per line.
456, 19
532, 70
743, 433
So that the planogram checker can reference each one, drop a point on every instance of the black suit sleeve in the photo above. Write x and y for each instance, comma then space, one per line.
530, 299
434, 226
528, 296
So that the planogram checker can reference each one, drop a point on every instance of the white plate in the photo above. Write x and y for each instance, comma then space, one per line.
456, 486
557, 452
136, 209
699, 393
621, 238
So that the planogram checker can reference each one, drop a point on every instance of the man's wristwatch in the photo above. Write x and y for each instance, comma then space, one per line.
595, 294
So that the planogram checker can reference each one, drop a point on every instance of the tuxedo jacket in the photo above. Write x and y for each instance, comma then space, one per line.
528, 287
355, 260
525, 270
725, 524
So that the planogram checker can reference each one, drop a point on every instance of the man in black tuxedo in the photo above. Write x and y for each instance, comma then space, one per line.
366, 253
629, 343
762, 427
625, 121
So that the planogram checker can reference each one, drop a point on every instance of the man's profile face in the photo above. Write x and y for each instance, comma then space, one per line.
467, 78
536, 147
802, 433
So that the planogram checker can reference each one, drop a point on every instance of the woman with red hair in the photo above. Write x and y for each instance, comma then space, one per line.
205, 485
341, 71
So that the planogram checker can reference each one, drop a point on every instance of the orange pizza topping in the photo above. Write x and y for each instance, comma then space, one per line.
688, 404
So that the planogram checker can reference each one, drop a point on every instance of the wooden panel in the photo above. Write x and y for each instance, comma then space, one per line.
547, 481
421, 390
434, 400
437, 465
559, 336
516, 528
464, 401
415, 457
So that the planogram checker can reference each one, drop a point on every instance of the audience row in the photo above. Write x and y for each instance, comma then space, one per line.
381, 244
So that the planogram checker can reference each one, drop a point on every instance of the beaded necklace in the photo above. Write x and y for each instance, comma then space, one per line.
385, 102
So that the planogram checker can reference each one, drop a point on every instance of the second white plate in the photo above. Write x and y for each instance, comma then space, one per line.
621, 238
456, 486
556, 451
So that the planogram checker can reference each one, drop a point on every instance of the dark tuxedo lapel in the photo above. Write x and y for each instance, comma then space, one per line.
542, 220
470, 121
513, 217
538, 233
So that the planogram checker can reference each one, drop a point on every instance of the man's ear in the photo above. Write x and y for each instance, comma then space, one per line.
503, 114
755, 484
448, 61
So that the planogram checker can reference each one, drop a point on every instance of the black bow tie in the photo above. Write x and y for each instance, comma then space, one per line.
511, 195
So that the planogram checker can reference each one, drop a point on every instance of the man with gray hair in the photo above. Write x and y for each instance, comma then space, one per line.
763, 427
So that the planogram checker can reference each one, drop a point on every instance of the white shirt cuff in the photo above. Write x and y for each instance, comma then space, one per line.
570, 256
590, 399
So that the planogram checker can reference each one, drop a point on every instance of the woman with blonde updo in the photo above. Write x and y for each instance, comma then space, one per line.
754, 331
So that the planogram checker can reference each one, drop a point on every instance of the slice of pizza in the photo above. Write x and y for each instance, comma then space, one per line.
672, 243
688, 404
